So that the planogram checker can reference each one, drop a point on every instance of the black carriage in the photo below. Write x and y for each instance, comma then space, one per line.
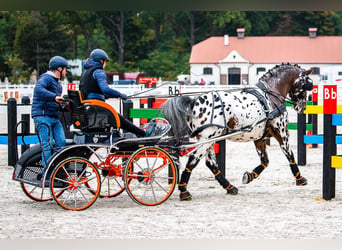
100, 161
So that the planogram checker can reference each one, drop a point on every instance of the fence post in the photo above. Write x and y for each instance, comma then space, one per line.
312, 118
329, 149
25, 128
301, 147
12, 151
314, 124
150, 102
221, 156
127, 104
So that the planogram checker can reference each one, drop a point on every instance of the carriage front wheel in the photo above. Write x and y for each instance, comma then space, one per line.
150, 176
75, 176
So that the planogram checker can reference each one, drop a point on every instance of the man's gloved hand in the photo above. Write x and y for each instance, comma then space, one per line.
123, 96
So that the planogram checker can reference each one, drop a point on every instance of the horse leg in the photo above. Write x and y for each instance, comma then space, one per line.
285, 147
282, 138
212, 165
185, 177
261, 150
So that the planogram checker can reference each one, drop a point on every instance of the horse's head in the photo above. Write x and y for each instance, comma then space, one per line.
299, 89
288, 80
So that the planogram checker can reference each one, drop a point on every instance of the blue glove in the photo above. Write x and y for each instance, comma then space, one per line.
123, 96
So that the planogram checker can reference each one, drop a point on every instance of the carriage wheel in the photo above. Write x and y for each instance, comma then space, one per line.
33, 167
75, 176
36, 193
150, 176
110, 167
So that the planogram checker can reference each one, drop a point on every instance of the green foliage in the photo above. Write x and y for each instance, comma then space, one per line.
155, 42
17, 68
167, 64
38, 37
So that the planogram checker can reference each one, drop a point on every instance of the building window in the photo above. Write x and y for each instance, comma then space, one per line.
207, 71
324, 77
315, 71
260, 69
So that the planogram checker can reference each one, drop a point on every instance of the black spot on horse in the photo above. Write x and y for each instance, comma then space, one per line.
201, 100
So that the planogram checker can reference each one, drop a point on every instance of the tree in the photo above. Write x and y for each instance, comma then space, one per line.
38, 37
17, 67
114, 25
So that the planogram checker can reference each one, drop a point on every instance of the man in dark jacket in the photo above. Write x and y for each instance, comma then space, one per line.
46, 107
93, 85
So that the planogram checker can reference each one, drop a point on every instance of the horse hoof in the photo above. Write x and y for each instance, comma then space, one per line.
233, 191
247, 177
301, 182
186, 196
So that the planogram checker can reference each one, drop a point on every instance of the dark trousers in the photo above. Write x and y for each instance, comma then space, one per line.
130, 127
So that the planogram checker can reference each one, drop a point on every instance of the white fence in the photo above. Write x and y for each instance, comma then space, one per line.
163, 89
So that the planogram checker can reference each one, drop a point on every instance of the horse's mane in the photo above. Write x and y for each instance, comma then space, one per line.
176, 110
277, 70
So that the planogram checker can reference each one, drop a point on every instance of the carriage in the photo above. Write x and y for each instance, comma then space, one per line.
101, 161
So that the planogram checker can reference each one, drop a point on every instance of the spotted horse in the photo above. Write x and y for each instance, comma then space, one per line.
242, 114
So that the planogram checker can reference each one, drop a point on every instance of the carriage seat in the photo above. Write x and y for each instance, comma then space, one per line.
92, 115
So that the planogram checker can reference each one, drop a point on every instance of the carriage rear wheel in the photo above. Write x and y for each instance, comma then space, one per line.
32, 168
75, 176
36, 193
150, 176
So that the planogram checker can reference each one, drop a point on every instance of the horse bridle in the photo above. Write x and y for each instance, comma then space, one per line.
303, 83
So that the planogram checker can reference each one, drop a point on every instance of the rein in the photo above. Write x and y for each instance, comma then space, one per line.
137, 96
262, 86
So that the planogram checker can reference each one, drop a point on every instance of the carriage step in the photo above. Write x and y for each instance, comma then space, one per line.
35, 182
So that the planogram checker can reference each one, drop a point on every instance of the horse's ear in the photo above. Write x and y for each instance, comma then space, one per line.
308, 72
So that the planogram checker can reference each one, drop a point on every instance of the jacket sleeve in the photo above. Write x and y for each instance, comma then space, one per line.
43, 92
101, 78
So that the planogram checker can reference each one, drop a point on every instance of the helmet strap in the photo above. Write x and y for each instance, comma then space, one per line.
60, 72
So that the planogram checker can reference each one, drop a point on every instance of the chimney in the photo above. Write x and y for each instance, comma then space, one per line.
240, 33
226, 40
312, 32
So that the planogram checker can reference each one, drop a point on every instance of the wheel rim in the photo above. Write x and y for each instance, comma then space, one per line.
75, 177
150, 176
111, 167
36, 193
33, 167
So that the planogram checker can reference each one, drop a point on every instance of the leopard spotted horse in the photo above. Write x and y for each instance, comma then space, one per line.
248, 114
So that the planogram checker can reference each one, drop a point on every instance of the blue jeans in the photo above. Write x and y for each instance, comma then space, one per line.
51, 132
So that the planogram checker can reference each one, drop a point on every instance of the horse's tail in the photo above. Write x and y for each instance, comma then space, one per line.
176, 110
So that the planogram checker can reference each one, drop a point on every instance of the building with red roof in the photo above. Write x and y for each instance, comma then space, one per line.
243, 60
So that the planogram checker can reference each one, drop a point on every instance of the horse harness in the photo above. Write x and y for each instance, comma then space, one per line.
270, 115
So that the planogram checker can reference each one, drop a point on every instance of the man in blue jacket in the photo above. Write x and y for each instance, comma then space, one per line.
47, 97
93, 85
